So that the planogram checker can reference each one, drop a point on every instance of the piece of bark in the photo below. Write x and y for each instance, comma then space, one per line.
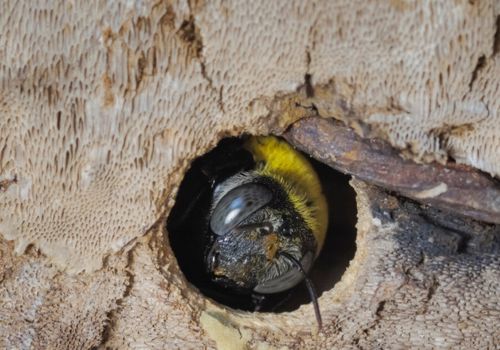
457, 188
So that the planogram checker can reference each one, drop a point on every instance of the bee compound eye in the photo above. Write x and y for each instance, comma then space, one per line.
237, 205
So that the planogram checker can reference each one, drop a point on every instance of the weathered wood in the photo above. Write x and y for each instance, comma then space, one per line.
103, 105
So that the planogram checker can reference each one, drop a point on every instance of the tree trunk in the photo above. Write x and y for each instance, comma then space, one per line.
104, 105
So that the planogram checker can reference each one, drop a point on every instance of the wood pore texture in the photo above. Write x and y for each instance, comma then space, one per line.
103, 105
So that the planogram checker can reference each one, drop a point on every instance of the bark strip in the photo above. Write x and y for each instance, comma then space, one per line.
454, 187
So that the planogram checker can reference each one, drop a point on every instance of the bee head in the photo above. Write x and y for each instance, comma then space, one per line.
257, 235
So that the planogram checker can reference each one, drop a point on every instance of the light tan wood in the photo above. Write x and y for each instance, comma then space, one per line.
103, 106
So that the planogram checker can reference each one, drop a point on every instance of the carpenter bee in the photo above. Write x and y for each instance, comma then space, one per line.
257, 225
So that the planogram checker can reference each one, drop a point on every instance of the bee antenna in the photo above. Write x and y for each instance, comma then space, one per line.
309, 285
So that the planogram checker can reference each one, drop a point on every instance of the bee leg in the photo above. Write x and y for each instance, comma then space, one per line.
258, 301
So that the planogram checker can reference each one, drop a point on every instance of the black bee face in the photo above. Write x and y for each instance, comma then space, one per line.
258, 231
254, 234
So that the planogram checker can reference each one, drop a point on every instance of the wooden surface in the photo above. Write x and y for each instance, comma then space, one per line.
104, 104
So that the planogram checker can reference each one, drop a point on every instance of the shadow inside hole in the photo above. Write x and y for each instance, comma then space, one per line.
188, 223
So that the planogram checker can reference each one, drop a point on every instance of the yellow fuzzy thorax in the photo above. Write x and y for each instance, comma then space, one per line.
300, 181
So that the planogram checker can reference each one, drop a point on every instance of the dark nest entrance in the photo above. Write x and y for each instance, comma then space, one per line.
188, 222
